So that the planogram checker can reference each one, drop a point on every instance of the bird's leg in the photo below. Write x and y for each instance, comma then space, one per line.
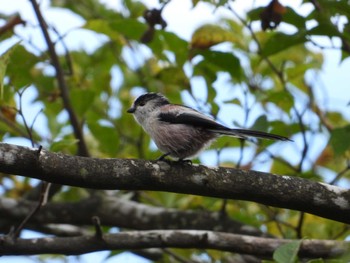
189, 162
161, 158
180, 161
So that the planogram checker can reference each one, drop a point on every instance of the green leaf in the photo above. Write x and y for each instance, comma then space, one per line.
130, 28
4, 60
174, 76
281, 99
280, 127
340, 140
88, 9
254, 14
102, 26
136, 8
287, 253
223, 61
72, 194
107, 137
293, 18
234, 101
296, 74
177, 45
82, 99
336, 119
325, 29
63, 145
209, 35
21, 67
278, 167
214, 107
261, 124
330, 8
280, 42
118, 30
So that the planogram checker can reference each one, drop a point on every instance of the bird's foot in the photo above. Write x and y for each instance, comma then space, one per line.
182, 161
162, 158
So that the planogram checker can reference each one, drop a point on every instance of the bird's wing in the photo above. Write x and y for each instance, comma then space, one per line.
178, 114
183, 115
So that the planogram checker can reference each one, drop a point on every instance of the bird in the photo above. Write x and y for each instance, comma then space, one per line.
180, 131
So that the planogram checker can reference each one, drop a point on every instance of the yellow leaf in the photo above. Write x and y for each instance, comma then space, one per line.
4, 60
210, 35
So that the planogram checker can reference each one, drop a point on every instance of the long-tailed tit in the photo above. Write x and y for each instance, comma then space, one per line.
182, 132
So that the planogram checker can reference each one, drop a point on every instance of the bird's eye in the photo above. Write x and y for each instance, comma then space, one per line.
142, 104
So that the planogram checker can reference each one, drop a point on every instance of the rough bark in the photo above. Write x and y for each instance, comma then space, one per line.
275, 190
122, 213
262, 247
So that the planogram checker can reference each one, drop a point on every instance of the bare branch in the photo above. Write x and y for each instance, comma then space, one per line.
127, 174
262, 247
113, 211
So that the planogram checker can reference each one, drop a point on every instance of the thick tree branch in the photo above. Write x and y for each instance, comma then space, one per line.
76, 125
118, 212
258, 246
280, 191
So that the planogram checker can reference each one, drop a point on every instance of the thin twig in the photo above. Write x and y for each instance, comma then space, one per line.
241, 153
341, 173
273, 214
279, 73
317, 110
98, 230
20, 112
67, 54
76, 125
42, 200
283, 161
45, 186
305, 142
299, 228
341, 233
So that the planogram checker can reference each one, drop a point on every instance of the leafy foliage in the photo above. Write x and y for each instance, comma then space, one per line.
246, 76
287, 252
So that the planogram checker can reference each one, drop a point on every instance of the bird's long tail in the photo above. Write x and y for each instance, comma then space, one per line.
243, 133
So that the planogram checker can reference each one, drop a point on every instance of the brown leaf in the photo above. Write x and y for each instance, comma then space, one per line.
271, 17
148, 35
154, 17
325, 156
9, 112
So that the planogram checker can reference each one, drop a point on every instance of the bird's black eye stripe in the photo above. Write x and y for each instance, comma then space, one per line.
156, 97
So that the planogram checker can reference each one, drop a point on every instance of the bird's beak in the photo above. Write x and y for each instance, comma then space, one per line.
131, 110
